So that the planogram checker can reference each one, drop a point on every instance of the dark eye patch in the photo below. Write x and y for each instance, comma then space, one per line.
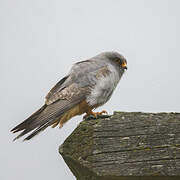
119, 61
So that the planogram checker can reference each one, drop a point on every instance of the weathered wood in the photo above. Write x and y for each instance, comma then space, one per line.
124, 144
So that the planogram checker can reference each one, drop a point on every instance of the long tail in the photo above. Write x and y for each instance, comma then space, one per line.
27, 124
46, 116
39, 121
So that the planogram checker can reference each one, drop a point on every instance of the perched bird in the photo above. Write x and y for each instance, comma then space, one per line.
88, 85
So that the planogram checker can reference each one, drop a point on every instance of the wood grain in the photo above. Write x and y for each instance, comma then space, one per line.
124, 145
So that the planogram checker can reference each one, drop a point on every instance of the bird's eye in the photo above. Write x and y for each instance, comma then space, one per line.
118, 60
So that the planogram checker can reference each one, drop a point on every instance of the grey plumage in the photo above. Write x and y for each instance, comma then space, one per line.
92, 80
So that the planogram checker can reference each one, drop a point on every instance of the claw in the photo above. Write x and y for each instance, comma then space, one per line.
94, 114
103, 112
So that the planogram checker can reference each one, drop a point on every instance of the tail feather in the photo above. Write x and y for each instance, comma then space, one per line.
39, 121
37, 131
28, 121
44, 117
21, 134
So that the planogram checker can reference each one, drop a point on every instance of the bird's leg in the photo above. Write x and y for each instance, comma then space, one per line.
94, 114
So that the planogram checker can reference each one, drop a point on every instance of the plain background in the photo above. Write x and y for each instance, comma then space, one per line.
41, 39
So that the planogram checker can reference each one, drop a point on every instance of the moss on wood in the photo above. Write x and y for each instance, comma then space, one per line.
124, 144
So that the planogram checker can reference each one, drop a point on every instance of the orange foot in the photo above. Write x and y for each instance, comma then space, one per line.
95, 114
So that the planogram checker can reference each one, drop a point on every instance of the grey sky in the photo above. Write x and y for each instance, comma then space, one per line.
40, 40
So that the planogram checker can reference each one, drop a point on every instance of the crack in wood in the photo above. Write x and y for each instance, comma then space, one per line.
126, 144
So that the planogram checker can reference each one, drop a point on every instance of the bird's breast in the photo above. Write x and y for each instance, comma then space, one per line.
103, 89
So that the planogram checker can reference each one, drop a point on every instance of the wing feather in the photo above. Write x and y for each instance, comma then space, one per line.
49, 115
57, 88
82, 74
67, 93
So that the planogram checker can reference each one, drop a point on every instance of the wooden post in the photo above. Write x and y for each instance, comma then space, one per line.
125, 144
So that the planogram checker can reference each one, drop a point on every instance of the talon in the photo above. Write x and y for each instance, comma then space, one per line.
101, 113
104, 112
95, 114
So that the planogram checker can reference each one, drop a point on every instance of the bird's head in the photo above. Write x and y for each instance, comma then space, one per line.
116, 58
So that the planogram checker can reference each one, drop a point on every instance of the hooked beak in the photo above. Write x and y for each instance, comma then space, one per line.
124, 65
